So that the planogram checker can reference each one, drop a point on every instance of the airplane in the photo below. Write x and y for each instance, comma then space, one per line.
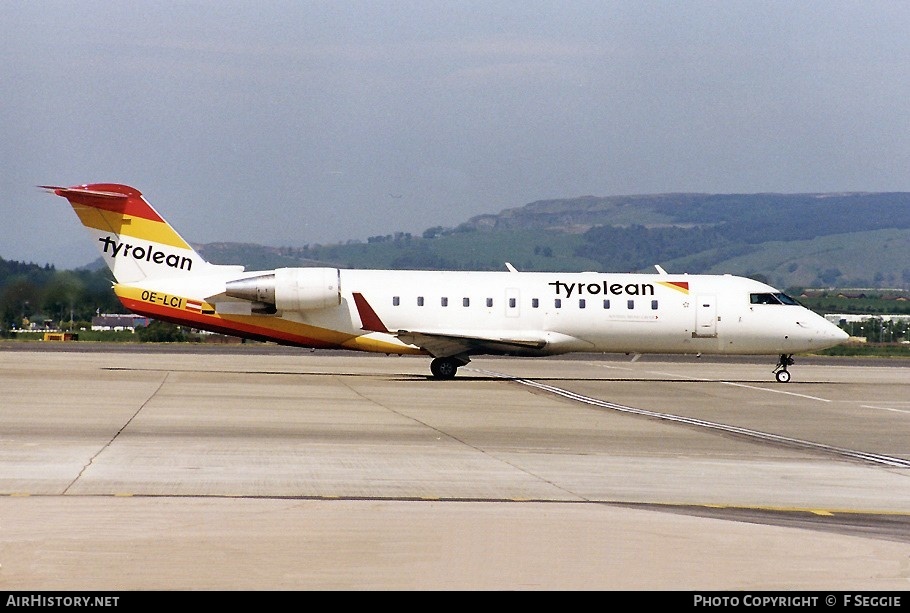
449, 316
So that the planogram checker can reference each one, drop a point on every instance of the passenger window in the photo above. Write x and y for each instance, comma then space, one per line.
630, 304
512, 303
535, 303
653, 305
606, 304
558, 303
465, 302
444, 301
419, 300
489, 302
396, 300
581, 303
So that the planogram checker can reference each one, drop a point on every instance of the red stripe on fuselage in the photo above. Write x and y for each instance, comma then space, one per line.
221, 326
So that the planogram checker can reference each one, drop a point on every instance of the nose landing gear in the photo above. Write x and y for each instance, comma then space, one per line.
780, 371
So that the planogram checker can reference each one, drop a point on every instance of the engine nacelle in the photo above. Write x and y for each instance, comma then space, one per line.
290, 289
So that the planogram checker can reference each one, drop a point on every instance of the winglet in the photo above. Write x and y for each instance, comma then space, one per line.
368, 318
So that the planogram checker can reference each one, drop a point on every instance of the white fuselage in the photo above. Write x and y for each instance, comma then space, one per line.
596, 312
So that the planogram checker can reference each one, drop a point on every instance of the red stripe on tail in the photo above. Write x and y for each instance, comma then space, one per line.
109, 197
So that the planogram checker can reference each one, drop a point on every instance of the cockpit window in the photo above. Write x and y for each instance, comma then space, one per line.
772, 298
784, 298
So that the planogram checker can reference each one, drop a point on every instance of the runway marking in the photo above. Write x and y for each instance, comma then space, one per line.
599, 365
751, 387
761, 389
873, 458
765, 508
765, 389
870, 406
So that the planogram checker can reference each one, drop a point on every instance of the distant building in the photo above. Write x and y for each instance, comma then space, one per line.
117, 322
872, 327
849, 318
38, 322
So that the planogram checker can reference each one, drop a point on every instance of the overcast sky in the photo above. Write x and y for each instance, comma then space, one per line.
293, 123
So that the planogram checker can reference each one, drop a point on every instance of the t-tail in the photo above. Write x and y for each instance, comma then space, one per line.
137, 244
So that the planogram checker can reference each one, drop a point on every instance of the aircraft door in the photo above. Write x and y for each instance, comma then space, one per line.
705, 317
512, 302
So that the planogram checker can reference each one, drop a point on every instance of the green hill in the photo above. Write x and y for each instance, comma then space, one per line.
793, 240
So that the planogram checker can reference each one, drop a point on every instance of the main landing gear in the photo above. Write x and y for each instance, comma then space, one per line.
445, 368
780, 372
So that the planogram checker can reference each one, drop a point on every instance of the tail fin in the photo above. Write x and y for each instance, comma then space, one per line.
135, 241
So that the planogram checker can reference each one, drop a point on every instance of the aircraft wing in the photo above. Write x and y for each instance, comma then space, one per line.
444, 344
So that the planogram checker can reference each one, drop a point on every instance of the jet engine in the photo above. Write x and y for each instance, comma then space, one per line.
289, 289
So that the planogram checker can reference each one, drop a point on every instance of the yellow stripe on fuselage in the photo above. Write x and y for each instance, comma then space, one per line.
126, 225
159, 304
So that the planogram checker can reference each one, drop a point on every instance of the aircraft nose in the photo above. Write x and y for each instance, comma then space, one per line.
820, 333
831, 334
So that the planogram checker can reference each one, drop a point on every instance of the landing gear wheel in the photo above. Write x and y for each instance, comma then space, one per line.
444, 368
780, 372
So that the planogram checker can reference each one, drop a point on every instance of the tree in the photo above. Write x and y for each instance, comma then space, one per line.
161, 332
61, 296
18, 300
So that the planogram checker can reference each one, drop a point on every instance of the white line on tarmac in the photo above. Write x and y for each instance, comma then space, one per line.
751, 387
869, 406
761, 389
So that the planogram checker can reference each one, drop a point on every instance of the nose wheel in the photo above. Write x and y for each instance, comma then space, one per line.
780, 372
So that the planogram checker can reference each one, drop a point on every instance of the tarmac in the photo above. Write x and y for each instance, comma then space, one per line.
140, 468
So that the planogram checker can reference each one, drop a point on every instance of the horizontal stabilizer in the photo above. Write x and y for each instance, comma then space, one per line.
84, 192
111, 197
